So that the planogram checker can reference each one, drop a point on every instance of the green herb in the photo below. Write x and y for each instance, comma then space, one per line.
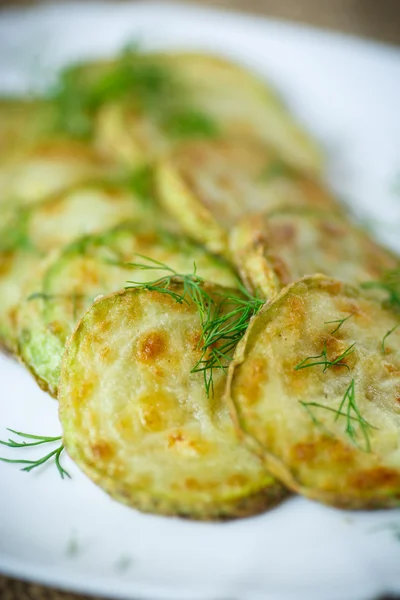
36, 440
387, 335
275, 170
325, 362
389, 283
75, 299
141, 183
15, 233
224, 317
82, 90
340, 321
136, 80
190, 123
349, 404
349, 410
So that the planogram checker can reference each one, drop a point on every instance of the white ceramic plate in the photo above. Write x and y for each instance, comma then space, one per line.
69, 533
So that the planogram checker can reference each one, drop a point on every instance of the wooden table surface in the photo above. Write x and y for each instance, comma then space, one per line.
377, 19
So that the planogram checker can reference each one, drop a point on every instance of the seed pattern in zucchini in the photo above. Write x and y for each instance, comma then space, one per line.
92, 266
274, 249
314, 389
210, 185
32, 233
139, 423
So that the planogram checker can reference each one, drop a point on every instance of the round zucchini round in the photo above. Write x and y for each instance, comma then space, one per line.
273, 249
30, 234
37, 171
139, 423
210, 185
314, 390
95, 265
147, 103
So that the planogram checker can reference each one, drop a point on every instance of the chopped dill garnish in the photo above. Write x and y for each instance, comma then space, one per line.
189, 123
276, 169
36, 440
387, 335
340, 323
325, 362
349, 410
349, 398
134, 79
389, 283
141, 183
224, 318
15, 235
83, 89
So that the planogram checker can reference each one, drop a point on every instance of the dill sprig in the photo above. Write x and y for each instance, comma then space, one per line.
339, 321
352, 412
349, 410
323, 360
224, 317
35, 440
276, 169
387, 335
389, 283
82, 89
142, 80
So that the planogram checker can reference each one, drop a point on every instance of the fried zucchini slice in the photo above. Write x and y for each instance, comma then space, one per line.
47, 167
139, 423
22, 121
96, 265
314, 389
142, 104
273, 249
209, 186
30, 234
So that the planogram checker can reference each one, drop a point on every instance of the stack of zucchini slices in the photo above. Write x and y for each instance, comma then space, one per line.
218, 332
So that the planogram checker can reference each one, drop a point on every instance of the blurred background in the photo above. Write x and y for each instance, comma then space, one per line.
379, 19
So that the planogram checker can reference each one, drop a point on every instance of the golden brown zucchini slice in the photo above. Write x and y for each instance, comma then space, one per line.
22, 122
273, 249
245, 106
30, 234
314, 388
210, 186
39, 170
142, 104
139, 423
96, 265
